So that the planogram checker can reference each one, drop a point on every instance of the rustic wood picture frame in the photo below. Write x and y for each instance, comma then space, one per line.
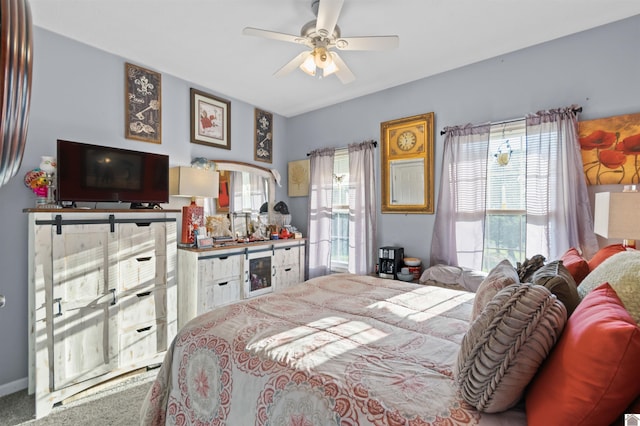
263, 134
210, 120
143, 104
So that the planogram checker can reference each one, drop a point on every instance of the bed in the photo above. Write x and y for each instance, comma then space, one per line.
339, 349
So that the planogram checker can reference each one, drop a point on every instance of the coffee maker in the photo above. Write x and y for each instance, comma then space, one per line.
390, 260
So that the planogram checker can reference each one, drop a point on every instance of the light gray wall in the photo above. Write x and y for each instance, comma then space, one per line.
78, 94
597, 69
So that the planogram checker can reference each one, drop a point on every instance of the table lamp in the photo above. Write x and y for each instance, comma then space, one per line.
192, 182
616, 216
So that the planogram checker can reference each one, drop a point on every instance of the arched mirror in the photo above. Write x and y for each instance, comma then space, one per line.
250, 191
407, 164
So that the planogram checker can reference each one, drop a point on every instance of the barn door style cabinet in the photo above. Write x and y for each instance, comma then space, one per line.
218, 276
102, 297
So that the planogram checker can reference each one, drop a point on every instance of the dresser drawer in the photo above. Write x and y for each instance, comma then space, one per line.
146, 236
143, 270
142, 307
141, 343
287, 256
286, 276
220, 268
218, 293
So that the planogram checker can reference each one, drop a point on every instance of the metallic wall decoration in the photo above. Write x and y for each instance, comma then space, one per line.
16, 43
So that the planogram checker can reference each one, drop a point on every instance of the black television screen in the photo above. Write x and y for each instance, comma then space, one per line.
94, 173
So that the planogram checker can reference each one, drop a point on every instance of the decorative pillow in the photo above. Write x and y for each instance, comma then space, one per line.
591, 375
502, 275
504, 347
603, 254
527, 268
622, 272
575, 264
555, 277
457, 277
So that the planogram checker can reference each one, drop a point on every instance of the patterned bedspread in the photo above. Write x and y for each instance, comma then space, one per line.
341, 349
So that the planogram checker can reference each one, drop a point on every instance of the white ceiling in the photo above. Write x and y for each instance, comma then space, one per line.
201, 41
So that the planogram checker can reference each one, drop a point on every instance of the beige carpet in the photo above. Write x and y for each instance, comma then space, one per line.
116, 405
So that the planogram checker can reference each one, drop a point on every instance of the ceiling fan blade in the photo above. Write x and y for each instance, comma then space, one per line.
328, 12
257, 32
368, 43
343, 73
292, 64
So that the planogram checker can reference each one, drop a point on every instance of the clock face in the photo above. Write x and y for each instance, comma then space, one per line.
406, 140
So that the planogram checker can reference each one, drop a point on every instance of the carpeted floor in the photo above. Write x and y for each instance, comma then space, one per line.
116, 405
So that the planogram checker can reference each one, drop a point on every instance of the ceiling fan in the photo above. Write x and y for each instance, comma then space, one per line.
321, 35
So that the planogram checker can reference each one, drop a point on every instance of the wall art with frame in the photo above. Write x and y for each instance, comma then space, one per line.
143, 104
263, 136
610, 149
298, 178
210, 120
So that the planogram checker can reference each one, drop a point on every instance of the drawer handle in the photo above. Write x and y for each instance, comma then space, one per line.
141, 330
58, 301
287, 269
143, 259
141, 224
143, 294
223, 257
224, 283
287, 248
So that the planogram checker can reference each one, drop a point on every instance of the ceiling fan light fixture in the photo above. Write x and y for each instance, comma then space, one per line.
329, 70
309, 65
322, 57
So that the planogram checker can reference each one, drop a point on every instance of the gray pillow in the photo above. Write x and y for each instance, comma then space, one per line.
559, 281
505, 345
622, 272
502, 275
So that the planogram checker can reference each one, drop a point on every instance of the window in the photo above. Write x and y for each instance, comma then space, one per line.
340, 213
506, 214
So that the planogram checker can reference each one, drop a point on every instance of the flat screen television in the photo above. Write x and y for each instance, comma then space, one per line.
94, 173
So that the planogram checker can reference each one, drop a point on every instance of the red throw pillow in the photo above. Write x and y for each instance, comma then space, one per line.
575, 264
603, 254
591, 376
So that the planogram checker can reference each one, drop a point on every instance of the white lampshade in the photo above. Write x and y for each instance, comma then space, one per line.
616, 215
193, 182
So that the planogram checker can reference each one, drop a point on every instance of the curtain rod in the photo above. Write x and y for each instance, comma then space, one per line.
375, 144
576, 109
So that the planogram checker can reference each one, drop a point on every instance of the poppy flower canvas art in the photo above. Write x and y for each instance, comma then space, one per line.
611, 149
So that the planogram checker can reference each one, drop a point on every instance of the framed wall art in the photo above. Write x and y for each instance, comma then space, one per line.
263, 136
407, 164
610, 149
210, 120
298, 178
143, 104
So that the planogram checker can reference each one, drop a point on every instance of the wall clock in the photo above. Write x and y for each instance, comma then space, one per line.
407, 164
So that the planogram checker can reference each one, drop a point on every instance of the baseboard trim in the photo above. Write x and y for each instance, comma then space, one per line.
15, 386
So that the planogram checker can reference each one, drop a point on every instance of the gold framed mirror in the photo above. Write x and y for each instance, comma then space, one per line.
407, 164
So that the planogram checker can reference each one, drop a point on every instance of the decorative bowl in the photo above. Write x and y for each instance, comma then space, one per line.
412, 261
405, 277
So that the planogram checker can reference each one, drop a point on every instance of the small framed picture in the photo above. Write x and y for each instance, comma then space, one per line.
210, 120
263, 136
298, 178
204, 242
143, 104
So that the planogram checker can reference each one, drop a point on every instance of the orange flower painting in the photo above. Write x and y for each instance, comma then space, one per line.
611, 149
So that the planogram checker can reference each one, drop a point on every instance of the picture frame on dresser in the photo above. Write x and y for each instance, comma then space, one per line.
210, 120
